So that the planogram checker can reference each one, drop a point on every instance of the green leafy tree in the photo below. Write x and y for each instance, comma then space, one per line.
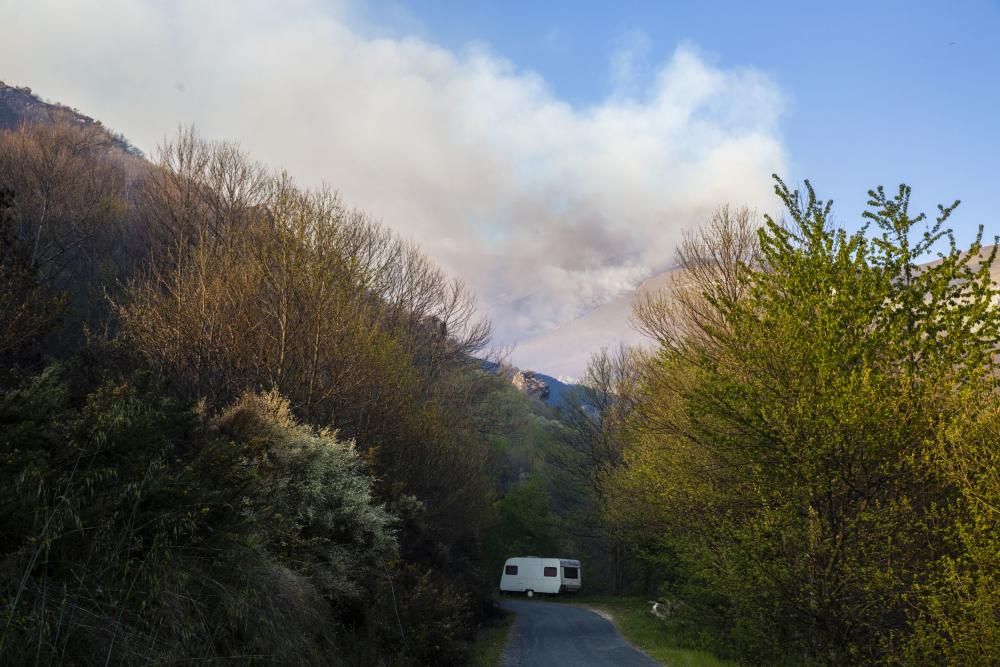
789, 442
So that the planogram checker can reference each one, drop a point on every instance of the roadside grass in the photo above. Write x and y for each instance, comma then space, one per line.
633, 619
490, 640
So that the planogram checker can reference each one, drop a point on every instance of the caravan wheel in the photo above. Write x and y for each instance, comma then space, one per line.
530, 593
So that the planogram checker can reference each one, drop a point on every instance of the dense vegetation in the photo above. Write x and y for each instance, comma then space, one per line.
809, 455
239, 420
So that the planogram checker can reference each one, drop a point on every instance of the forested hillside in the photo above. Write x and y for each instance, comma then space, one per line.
240, 420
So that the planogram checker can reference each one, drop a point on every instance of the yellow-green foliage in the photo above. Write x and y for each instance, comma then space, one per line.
957, 606
813, 487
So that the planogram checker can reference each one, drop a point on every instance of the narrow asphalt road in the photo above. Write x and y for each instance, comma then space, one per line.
547, 634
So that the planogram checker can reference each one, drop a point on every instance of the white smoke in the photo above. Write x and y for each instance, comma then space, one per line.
545, 208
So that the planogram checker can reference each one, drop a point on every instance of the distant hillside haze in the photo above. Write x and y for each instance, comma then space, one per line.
19, 104
564, 351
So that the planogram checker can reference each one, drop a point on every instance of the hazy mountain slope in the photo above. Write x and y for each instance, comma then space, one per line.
19, 105
564, 351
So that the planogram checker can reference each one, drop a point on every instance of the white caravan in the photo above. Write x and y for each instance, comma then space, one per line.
532, 575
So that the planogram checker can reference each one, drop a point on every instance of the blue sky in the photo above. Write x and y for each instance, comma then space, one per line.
877, 92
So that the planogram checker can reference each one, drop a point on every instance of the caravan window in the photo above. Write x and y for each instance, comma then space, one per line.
551, 571
571, 573
510, 569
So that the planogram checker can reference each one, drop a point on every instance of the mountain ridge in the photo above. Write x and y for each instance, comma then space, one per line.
20, 104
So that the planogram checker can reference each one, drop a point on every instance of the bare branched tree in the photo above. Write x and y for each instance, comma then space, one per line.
68, 187
712, 261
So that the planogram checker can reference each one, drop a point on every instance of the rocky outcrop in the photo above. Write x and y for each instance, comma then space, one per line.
20, 105
532, 385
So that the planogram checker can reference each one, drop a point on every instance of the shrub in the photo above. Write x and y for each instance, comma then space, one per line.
135, 530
